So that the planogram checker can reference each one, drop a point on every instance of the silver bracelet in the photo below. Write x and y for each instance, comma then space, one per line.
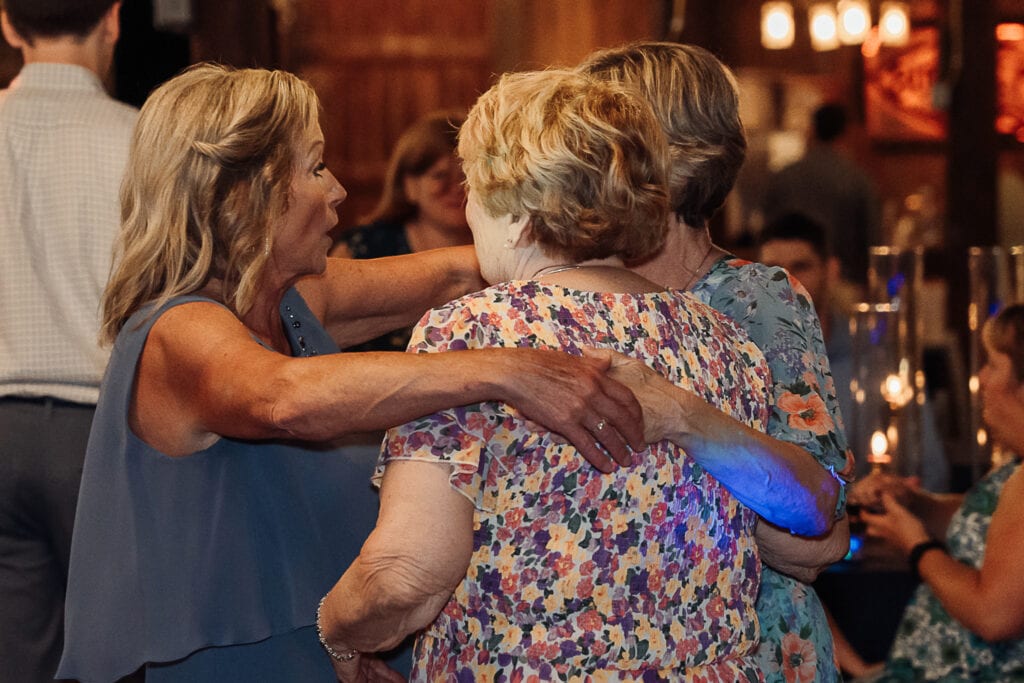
339, 656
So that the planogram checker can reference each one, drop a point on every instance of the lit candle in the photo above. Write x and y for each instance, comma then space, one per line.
878, 457
896, 391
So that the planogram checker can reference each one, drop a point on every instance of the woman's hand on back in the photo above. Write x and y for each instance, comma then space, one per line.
578, 399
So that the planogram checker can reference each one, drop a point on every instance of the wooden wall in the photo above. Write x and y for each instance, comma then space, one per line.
378, 65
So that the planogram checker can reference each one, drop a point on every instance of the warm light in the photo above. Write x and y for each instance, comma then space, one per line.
824, 33
854, 21
879, 457
982, 437
892, 436
894, 23
896, 391
777, 27
879, 444
973, 384
1009, 32
872, 45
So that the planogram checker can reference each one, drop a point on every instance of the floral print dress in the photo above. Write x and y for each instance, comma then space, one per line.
777, 313
649, 573
930, 645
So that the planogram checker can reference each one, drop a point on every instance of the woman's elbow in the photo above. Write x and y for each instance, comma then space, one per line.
995, 627
288, 412
406, 586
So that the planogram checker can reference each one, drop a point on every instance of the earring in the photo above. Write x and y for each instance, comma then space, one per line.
266, 245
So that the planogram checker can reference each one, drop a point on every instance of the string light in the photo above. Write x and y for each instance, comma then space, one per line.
821, 17
846, 22
854, 21
894, 23
777, 27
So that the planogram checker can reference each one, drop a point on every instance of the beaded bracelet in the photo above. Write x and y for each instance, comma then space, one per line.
339, 656
918, 551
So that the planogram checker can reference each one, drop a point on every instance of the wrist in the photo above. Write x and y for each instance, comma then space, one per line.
918, 552
343, 655
689, 417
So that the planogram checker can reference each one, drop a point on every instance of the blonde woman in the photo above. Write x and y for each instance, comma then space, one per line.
213, 510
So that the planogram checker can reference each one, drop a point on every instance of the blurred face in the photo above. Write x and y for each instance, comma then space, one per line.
802, 262
997, 376
439, 196
302, 240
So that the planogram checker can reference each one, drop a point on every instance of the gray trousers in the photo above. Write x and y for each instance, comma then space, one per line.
42, 447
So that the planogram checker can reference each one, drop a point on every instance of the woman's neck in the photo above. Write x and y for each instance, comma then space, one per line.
686, 257
263, 319
596, 275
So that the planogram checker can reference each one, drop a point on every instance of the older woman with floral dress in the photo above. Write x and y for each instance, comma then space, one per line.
519, 563
696, 100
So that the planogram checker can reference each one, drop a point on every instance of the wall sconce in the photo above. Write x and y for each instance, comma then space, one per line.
894, 23
777, 27
854, 21
821, 18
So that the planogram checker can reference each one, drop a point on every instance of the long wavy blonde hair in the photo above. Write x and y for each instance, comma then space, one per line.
208, 176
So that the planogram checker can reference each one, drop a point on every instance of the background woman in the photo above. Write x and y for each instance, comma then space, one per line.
966, 620
213, 511
422, 206
649, 573
695, 99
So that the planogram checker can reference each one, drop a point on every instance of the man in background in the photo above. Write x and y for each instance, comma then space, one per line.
63, 147
799, 244
827, 186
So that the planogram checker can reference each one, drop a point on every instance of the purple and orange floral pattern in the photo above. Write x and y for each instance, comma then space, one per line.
649, 573
778, 314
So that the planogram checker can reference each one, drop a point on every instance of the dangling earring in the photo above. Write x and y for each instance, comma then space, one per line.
266, 245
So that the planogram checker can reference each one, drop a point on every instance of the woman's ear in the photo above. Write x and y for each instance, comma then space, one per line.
519, 233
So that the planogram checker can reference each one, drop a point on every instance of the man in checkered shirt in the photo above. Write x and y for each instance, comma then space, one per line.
63, 147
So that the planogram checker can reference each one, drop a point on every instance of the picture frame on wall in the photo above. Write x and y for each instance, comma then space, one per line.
900, 89
1010, 80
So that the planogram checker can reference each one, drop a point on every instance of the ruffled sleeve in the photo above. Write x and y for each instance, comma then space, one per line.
459, 436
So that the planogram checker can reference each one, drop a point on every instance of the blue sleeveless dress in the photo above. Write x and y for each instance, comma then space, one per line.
209, 567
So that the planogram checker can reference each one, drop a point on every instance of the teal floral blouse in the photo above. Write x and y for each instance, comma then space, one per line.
777, 313
931, 645
650, 573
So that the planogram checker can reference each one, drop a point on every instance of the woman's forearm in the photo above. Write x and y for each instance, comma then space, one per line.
361, 299
782, 482
408, 567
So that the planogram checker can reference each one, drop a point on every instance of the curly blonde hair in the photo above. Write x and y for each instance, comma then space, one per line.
585, 160
208, 176
696, 99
